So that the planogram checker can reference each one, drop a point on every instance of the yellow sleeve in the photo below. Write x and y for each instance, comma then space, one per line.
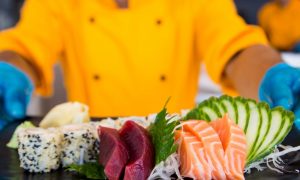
36, 37
221, 34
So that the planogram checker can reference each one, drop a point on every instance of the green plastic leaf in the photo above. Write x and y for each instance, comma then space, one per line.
162, 134
89, 170
13, 143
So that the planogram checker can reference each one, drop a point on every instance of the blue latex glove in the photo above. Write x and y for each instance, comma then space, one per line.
281, 87
296, 48
15, 93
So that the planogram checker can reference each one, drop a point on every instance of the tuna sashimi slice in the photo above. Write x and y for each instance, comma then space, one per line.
234, 143
193, 163
212, 146
113, 153
141, 152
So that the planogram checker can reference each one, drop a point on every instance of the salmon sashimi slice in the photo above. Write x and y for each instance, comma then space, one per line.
212, 146
192, 156
186, 154
235, 146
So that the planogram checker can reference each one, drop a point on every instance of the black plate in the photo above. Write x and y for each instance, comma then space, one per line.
9, 162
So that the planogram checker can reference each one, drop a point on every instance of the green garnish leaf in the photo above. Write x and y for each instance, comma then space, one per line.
13, 143
162, 134
90, 170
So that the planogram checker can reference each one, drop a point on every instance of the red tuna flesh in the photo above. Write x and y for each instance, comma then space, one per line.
113, 153
140, 149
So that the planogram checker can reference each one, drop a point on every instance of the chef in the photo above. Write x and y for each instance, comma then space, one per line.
126, 57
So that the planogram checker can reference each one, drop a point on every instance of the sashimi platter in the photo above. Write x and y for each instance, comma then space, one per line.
221, 138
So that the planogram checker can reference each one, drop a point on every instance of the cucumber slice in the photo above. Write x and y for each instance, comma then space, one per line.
265, 127
243, 112
230, 107
276, 123
219, 105
253, 127
286, 126
210, 109
196, 114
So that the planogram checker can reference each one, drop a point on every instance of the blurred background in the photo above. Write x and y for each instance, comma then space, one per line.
9, 15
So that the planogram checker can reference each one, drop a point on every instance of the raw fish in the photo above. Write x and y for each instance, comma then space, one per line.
212, 145
141, 152
113, 153
193, 163
234, 143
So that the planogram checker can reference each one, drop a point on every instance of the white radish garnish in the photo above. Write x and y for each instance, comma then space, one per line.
165, 169
273, 158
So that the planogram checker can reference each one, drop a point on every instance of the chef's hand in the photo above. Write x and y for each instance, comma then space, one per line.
281, 87
15, 93
296, 48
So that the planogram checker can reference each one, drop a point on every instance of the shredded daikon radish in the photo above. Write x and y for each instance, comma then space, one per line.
173, 117
184, 112
151, 118
110, 123
164, 170
140, 120
257, 165
284, 152
274, 158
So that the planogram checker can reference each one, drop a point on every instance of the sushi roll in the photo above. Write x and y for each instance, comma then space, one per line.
79, 144
39, 149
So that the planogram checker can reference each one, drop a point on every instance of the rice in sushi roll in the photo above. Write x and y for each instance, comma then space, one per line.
79, 144
39, 149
